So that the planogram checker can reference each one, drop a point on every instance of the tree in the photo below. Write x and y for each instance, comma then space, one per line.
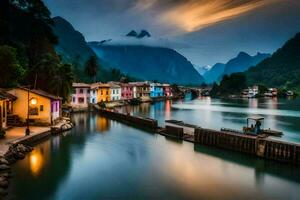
10, 69
91, 67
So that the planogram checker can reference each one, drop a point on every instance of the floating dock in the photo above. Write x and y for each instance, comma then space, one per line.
262, 147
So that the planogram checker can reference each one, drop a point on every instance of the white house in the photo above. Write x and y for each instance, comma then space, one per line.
94, 93
80, 95
115, 91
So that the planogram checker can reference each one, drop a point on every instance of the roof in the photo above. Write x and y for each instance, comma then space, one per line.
81, 85
42, 93
139, 83
6, 95
95, 85
113, 85
256, 118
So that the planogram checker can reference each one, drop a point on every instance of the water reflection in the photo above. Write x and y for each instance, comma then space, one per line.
127, 163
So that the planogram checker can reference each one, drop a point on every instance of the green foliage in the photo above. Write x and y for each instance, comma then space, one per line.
281, 70
25, 25
232, 84
92, 67
10, 69
61, 75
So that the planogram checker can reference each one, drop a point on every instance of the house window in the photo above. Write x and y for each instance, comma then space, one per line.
4, 110
88, 91
41, 107
73, 99
81, 91
80, 100
106, 92
101, 92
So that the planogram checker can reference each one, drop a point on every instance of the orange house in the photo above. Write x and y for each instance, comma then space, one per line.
103, 93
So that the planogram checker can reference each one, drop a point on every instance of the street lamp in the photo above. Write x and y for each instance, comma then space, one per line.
27, 131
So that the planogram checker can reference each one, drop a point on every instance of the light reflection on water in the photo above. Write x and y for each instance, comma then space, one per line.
104, 159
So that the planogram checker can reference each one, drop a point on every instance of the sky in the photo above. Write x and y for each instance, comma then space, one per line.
204, 31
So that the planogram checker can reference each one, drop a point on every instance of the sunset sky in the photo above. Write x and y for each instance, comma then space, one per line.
205, 31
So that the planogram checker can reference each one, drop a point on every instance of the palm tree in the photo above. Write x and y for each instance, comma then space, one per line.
91, 67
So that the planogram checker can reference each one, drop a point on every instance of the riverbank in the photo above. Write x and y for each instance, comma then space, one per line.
15, 145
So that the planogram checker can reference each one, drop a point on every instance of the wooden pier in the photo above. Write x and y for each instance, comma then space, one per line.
262, 147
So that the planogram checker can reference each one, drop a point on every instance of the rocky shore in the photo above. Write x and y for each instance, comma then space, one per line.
15, 152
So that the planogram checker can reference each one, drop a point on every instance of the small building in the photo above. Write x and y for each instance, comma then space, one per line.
141, 90
94, 93
103, 93
167, 91
43, 108
115, 91
156, 90
80, 95
126, 91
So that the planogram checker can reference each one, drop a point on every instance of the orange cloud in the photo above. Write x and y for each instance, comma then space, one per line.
192, 15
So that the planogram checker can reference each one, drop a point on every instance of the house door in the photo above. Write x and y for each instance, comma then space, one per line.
1, 118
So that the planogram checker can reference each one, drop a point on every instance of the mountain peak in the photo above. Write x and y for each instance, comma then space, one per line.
243, 54
132, 33
142, 34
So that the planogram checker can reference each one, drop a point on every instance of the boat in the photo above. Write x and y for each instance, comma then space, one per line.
254, 125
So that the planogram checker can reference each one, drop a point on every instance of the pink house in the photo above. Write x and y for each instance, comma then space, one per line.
126, 91
167, 90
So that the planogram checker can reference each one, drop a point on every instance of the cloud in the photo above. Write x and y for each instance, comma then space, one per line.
192, 15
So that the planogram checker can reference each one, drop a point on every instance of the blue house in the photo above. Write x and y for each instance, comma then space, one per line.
156, 90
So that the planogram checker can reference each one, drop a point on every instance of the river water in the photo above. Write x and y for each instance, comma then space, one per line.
105, 159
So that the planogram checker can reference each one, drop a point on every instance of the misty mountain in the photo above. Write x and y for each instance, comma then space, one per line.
202, 69
71, 43
243, 62
240, 63
282, 69
148, 62
214, 73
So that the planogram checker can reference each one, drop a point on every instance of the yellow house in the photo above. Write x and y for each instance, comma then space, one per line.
103, 93
43, 108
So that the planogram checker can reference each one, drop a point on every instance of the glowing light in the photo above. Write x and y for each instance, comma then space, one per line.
33, 101
36, 161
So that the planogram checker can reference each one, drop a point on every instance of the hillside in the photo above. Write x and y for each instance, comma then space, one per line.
243, 62
240, 63
214, 73
148, 63
282, 69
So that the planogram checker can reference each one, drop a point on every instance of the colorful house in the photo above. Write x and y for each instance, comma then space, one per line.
103, 93
126, 91
43, 108
141, 90
81, 95
167, 90
94, 93
115, 91
156, 90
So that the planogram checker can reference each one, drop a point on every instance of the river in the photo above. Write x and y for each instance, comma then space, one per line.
105, 159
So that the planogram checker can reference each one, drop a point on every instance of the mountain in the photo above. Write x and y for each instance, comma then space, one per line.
214, 73
282, 69
243, 62
240, 63
148, 62
202, 69
73, 48
142, 34
71, 43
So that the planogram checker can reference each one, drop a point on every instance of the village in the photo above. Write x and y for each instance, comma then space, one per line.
113, 94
